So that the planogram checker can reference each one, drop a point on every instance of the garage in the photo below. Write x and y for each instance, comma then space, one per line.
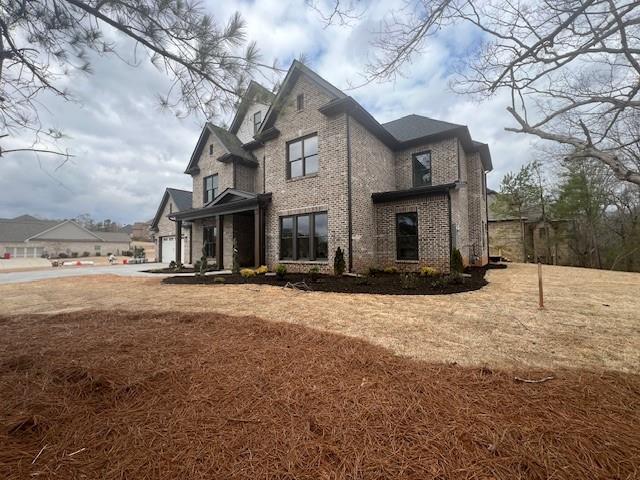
169, 249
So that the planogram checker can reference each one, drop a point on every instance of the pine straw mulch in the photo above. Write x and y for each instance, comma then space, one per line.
143, 395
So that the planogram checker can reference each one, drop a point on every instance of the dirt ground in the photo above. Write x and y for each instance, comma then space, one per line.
144, 395
591, 319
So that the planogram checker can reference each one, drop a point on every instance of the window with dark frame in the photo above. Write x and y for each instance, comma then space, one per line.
407, 236
300, 102
257, 120
421, 169
304, 237
302, 157
211, 149
209, 241
210, 190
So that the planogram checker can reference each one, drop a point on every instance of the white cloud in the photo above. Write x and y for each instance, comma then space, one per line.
127, 150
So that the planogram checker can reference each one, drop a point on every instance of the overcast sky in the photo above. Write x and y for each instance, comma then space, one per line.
127, 150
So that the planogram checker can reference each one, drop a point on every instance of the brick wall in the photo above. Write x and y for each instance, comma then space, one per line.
209, 166
444, 163
326, 191
372, 171
433, 232
245, 178
477, 208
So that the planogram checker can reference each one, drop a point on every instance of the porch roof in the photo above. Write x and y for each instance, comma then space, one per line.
227, 203
380, 197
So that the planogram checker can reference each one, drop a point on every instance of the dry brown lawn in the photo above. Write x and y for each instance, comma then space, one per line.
591, 319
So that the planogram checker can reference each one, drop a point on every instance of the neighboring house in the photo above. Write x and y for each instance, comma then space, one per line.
164, 230
525, 239
140, 231
27, 236
303, 172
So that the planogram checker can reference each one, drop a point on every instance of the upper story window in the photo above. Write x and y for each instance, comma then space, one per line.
300, 102
211, 149
421, 169
302, 157
407, 236
257, 120
210, 190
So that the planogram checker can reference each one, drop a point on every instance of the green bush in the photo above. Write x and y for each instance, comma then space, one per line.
390, 270
74, 254
408, 281
455, 278
314, 274
375, 270
362, 281
262, 269
219, 280
338, 262
86, 254
247, 272
281, 271
456, 261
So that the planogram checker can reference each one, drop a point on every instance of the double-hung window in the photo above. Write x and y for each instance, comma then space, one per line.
209, 241
302, 157
407, 236
210, 190
304, 237
421, 169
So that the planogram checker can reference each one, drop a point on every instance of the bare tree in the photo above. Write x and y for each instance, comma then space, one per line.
572, 67
42, 41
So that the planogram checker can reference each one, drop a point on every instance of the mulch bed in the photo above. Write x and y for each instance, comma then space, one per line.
385, 284
115, 395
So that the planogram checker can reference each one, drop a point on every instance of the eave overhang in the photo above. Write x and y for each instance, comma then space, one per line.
230, 157
381, 197
223, 209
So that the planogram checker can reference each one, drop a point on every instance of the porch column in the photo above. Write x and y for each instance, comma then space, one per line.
257, 234
219, 264
178, 241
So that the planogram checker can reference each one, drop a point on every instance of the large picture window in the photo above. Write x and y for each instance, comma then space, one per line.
210, 190
302, 157
421, 169
304, 237
209, 241
407, 236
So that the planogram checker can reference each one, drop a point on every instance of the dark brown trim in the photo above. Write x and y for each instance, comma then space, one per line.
219, 252
204, 189
224, 209
398, 214
450, 224
312, 237
235, 174
257, 237
178, 241
268, 134
381, 197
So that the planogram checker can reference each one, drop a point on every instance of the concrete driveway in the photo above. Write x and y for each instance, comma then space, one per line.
60, 272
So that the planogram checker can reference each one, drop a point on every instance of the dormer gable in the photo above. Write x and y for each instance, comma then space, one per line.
251, 112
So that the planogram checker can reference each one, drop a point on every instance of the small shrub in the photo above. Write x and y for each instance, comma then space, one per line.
247, 272
362, 281
281, 271
390, 270
98, 254
172, 265
74, 254
138, 252
126, 253
261, 270
219, 280
375, 270
456, 261
85, 254
429, 272
440, 282
63, 255
314, 274
408, 281
455, 278
338, 262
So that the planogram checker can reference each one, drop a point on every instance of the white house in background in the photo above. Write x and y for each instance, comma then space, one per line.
29, 237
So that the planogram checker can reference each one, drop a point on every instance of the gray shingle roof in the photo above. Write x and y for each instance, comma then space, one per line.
181, 198
231, 143
416, 126
23, 227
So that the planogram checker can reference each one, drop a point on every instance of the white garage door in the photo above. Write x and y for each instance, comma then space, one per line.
169, 249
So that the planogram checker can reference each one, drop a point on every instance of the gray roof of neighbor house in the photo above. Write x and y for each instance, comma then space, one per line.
21, 228
182, 199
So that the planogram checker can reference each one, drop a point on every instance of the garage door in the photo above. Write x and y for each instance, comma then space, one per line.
169, 249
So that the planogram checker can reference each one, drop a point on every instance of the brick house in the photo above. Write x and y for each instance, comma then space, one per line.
307, 170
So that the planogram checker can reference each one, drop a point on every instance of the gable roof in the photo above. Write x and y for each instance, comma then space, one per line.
231, 194
414, 126
182, 199
254, 93
26, 227
229, 142
295, 70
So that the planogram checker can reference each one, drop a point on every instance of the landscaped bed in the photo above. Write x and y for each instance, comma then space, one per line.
115, 395
379, 283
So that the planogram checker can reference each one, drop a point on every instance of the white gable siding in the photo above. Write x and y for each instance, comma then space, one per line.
67, 231
245, 132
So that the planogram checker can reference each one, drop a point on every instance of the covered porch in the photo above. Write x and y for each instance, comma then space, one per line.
234, 220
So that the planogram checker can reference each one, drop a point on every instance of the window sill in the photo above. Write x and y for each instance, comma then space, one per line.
297, 179
299, 262
407, 261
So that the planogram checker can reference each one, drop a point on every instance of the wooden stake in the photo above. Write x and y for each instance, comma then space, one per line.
540, 293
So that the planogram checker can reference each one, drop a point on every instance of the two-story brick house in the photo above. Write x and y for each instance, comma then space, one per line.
303, 172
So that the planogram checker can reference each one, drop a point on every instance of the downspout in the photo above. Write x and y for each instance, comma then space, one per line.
264, 173
234, 174
486, 214
450, 225
349, 201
